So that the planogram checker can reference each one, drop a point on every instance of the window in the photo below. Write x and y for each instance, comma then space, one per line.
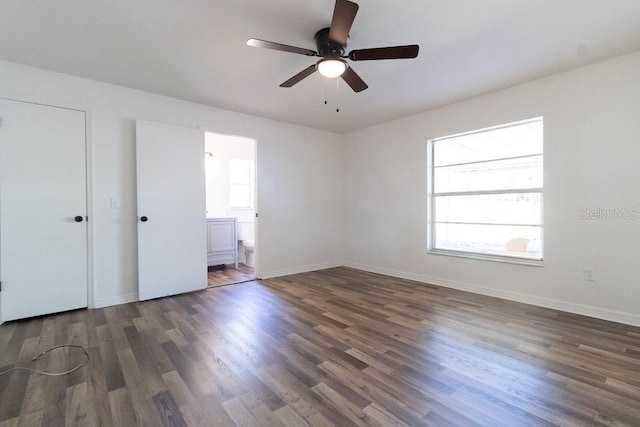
486, 192
240, 179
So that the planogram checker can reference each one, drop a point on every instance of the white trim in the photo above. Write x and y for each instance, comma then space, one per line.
581, 309
89, 163
489, 192
487, 161
303, 269
485, 256
490, 128
42, 100
116, 300
256, 226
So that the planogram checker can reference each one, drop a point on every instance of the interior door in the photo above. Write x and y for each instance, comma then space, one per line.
172, 234
43, 229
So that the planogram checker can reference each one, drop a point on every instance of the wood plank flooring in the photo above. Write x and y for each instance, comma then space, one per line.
333, 347
230, 275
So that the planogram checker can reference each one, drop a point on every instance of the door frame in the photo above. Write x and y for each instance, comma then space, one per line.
88, 140
256, 254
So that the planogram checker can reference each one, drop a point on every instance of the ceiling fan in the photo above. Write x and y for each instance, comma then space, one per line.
331, 46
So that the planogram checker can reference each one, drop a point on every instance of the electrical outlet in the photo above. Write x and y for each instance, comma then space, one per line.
589, 274
115, 203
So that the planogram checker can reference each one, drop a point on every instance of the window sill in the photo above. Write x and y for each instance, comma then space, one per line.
488, 257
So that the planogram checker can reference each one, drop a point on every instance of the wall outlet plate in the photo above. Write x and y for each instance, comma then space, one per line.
589, 274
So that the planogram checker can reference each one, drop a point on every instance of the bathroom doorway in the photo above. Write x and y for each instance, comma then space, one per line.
230, 170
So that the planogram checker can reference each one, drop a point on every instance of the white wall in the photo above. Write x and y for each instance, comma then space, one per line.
592, 152
299, 176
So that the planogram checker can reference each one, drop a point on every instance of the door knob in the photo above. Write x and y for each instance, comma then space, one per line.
144, 219
78, 218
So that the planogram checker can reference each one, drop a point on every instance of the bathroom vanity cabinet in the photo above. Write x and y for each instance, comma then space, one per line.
222, 243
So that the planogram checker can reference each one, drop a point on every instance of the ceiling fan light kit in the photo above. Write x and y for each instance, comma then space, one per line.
331, 46
331, 67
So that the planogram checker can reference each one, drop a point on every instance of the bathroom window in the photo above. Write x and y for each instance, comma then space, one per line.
485, 193
240, 182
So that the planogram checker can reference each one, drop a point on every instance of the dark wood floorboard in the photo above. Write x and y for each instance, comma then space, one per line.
229, 275
333, 347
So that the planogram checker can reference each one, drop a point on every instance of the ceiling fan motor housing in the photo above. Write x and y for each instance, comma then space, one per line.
327, 48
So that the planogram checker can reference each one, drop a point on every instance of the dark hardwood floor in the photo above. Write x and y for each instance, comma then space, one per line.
229, 275
333, 347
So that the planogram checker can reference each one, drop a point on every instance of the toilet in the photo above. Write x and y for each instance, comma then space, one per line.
248, 246
246, 237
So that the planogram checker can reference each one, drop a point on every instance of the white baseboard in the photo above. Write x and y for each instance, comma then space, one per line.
303, 269
585, 310
115, 300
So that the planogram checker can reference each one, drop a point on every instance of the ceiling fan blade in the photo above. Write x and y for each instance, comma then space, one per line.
392, 52
343, 15
279, 46
354, 80
301, 75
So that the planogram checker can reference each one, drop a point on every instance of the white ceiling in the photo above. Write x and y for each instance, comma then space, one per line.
196, 49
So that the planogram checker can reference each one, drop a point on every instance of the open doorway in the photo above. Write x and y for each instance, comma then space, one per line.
231, 208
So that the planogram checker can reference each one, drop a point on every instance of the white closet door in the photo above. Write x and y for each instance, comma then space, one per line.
43, 228
172, 234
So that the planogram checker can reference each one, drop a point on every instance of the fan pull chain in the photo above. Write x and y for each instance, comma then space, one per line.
337, 94
325, 91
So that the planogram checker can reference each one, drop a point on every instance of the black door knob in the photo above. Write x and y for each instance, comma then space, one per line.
78, 218
144, 219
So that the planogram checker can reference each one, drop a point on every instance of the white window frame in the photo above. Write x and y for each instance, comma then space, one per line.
432, 195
